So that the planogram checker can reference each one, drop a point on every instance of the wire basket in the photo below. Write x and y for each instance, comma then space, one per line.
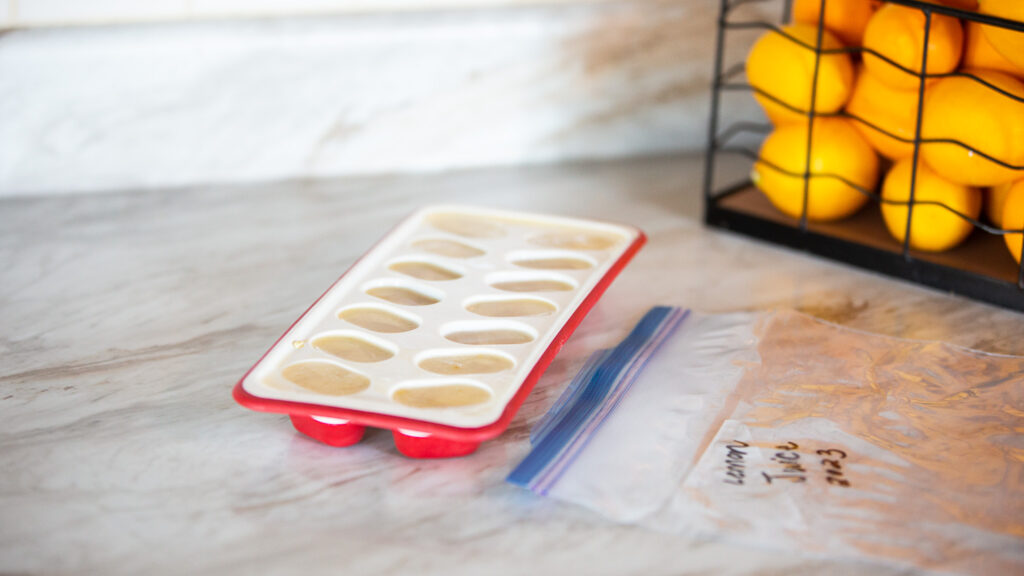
980, 268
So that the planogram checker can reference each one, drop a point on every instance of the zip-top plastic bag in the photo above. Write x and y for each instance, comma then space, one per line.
776, 429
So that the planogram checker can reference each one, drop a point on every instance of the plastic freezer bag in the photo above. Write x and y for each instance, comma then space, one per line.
780, 430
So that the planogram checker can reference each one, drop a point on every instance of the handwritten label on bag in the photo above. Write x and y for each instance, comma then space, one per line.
785, 462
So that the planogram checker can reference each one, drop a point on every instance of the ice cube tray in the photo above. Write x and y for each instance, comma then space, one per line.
440, 331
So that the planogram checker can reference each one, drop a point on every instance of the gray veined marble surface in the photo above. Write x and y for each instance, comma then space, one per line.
127, 318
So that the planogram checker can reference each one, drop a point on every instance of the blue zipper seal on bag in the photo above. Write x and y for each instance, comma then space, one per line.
591, 397
568, 398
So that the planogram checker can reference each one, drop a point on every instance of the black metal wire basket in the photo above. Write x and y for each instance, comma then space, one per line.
980, 268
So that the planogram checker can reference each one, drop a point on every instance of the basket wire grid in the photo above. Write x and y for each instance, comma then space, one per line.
902, 263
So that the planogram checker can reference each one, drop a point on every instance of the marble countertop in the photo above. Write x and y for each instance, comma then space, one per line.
127, 319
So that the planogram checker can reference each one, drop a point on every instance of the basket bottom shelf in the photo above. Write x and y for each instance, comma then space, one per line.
980, 268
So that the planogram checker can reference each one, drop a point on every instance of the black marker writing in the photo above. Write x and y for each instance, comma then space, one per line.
789, 459
735, 463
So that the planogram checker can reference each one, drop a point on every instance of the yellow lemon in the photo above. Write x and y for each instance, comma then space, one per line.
932, 228
882, 109
979, 52
1013, 218
1009, 43
837, 149
784, 68
962, 109
847, 19
897, 32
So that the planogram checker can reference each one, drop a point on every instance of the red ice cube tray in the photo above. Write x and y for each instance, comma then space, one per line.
441, 330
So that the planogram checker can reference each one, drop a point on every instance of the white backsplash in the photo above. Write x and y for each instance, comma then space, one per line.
46, 13
165, 105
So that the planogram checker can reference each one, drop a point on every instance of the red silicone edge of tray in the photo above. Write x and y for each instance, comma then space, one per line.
440, 431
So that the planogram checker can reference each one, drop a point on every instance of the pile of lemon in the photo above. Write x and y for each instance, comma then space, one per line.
869, 110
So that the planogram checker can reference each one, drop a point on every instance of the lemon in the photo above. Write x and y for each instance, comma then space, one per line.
847, 19
932, 228
979, 52
1013, 218
837, 149
1009, 43
884, 110
784, 68
962, 109
897, 32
